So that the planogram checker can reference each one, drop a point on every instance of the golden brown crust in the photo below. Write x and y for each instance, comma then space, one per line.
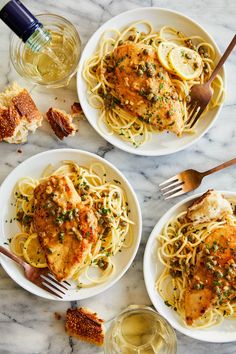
210, 206
85, 325
76, 109
26, 106
9, 119
199, 200
18, 115
143, 87
63, 226
60, 122
221, 253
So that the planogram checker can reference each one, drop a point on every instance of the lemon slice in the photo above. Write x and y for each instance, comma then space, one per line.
186, 63
162, 51
17, 243
34, 253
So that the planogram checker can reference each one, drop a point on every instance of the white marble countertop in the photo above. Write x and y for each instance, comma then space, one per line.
27, 323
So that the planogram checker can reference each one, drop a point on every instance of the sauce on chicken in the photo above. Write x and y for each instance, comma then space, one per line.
66, 228
214, 277
143, 87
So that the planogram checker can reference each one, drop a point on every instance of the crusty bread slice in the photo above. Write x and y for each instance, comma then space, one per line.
84, 324
60, 122
210, 206
18, 115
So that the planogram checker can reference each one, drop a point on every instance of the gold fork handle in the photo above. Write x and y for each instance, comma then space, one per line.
220, 167
9, 254
222, 60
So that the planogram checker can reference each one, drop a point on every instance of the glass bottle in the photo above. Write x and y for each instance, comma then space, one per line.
44, 49
23, 23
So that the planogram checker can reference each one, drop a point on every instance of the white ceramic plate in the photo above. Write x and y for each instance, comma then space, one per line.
160, 144
34, 167
226, 331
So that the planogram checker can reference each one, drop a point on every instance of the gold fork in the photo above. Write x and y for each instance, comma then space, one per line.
188, 180
40, 277
201, 94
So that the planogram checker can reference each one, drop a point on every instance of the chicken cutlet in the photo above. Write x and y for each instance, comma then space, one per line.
143, 87
66, 228
214, 277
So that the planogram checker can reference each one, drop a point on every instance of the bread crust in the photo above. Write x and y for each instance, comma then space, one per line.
18, 115
76, 109
9, 120
26, 106
85, 325
60, 122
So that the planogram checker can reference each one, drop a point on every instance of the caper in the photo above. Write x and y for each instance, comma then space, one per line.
150, 96
188, 56
140, 72
131, 38
123, 223
155, 98
106, 231
101, 221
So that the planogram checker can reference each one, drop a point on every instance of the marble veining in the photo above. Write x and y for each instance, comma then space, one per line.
27, 323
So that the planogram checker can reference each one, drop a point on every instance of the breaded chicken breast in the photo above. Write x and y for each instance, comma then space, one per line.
214, 277
143, 87
65, 227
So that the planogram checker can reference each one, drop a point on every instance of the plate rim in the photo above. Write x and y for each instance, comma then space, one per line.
186, 331
126, 147
105, 286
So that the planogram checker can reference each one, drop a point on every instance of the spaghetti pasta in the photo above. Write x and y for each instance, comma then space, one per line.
118, 119
178, 247
109, 203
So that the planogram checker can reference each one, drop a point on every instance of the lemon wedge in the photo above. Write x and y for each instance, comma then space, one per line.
162, 51
186, 63
17, 243
34, 253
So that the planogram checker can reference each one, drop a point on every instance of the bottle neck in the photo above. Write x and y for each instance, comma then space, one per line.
24, 24
38, 39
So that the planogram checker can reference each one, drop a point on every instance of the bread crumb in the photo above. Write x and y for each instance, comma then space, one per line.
60, 122
57, 316
76, 109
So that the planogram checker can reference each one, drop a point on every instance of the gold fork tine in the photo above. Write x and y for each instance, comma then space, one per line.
176, 189
172, 179
66, 282
175, 194
197, 116
49, 284
194, 108
56, 282
177, 183
50, 291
